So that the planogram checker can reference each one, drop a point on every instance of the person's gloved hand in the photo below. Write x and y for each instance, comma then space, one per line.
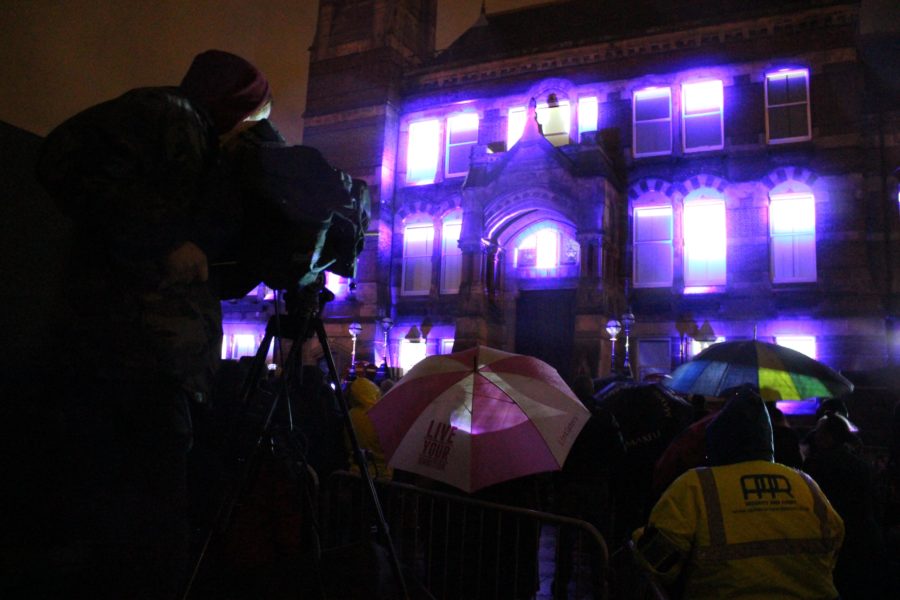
186, 264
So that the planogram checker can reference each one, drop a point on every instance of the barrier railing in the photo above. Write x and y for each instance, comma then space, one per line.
457, 547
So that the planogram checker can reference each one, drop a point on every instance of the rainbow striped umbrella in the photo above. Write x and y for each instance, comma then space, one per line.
780, 373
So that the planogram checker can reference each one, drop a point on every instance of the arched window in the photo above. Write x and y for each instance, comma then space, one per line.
792, 231
451, 255
704, 238
418, 245
547, 250
653, 249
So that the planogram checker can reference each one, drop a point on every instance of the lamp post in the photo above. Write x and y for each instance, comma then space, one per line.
613, 328
386, 324
354, 329
627, 324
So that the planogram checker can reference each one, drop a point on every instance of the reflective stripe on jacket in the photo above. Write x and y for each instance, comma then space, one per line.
749, 530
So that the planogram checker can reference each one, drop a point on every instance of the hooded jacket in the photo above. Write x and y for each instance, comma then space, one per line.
746, 527
363, 394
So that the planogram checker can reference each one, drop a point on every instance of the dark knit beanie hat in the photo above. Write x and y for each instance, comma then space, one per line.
741, 431
226, 85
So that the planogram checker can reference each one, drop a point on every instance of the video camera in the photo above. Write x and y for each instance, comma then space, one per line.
302, 216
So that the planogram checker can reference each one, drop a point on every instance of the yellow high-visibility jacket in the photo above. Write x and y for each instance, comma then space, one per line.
753, 529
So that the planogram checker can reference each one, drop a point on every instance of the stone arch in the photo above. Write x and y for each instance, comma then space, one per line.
790, 179
650, 184
700, 181
515, 205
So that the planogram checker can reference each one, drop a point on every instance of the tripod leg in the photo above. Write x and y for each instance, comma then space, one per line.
361, 459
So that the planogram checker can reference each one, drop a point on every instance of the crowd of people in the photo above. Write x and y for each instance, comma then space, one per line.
729, 503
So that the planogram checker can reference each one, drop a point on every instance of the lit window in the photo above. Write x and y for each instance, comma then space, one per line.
652, 122
787, 106
411, 353
422, 151
653, 246
704, 242
702, 116
462, 134
587, 115
447, 345
540, 250
697, 346
554, 122
804, 344
336, 284
653, 356
554, 118
451, 255
515, 125
418, 241
792, 227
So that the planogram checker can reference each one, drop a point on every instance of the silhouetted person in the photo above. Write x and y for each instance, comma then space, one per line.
144, 331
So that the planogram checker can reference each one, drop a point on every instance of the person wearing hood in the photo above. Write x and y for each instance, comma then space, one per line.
363, 394
143, 326
744, 526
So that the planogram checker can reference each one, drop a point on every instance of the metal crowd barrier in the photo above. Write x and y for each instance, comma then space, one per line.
457, 547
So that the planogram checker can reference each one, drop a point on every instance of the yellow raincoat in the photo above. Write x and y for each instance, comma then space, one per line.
753, 529
362, 395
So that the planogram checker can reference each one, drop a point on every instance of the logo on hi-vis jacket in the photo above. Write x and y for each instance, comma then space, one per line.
767, 489
438, 443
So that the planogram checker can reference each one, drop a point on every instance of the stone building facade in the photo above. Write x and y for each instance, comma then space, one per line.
721, 170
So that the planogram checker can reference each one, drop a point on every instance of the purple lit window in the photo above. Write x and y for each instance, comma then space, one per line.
418, 241
792, 230
422, 151
462, 134
702, 115
587, 115
540, 250
787, 106
652, 122
554, 121
653, 246
804, 344
451, 255
704, 242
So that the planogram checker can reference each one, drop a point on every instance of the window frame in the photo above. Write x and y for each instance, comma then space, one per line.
419, 224
434, 167
634, 120
787, 140
448, 145
454, 219
797, 256
691, 203
670, 243
687, 118
593, 102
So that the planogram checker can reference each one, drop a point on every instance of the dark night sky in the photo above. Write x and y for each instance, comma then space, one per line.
61, 56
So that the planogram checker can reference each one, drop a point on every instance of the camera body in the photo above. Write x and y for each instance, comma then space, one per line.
302, 216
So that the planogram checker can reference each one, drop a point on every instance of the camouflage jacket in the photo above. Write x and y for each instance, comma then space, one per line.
131, 173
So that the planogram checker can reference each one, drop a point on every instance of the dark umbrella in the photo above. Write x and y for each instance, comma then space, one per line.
649, 417
779, 373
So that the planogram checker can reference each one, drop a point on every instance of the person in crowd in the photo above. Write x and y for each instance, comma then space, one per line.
745, 526
363, 394
849, 483
144, 329
581, 489
786, 439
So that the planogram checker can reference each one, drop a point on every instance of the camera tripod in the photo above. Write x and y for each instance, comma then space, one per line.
302, 321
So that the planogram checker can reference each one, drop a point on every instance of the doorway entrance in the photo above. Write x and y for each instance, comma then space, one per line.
545, 324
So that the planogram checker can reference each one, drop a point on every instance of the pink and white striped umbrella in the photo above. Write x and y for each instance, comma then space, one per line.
478, 417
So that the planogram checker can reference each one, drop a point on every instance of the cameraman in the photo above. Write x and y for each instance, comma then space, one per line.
144, 331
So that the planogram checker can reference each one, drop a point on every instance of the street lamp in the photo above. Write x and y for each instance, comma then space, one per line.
354, 329
613, 328
386, 324
627, 324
